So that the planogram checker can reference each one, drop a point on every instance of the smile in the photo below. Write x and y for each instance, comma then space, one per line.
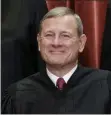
57, 52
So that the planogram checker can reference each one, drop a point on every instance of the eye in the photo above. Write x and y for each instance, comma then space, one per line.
48, 35
66, 36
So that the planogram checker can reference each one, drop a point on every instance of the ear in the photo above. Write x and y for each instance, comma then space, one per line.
83, 40
38, 40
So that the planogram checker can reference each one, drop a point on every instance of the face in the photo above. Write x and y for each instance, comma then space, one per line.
54, 44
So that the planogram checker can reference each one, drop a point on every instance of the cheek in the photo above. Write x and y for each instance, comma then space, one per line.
44, 46
73, 50
73, 47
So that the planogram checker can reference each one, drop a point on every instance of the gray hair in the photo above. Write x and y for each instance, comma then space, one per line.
62, 11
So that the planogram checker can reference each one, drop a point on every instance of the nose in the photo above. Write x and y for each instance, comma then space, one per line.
56, 41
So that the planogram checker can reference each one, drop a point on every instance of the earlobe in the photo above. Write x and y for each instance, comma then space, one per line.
38, 37
38, 40
38, 48
83, 40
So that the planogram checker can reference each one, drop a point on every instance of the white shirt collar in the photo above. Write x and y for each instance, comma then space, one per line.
66, 77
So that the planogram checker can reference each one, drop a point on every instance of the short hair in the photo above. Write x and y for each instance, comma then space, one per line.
62, 11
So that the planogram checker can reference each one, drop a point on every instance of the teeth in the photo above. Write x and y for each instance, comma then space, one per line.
56, 51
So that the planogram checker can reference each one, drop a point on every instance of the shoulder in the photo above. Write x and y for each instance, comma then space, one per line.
99, 76
93, 75
20, 93
97, 73
27, 84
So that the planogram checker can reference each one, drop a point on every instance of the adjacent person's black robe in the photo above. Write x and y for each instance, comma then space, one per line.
88, 91
106, 42
19, 28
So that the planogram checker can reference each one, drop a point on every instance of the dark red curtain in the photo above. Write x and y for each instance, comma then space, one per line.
92, 13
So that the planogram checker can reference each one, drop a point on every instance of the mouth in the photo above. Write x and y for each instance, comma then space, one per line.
57, 52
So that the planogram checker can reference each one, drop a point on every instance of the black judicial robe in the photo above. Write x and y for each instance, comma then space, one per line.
19, 27
106, 43
88, 91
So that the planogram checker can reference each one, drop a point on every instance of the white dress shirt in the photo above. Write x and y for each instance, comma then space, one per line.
66, 77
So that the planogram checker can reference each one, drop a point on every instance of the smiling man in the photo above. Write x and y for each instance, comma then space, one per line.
63, 86
60, 43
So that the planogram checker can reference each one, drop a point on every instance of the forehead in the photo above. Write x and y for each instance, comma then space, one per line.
61, 22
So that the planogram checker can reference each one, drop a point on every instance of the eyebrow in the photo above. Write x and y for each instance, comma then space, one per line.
62, 32
66, 32
49, 31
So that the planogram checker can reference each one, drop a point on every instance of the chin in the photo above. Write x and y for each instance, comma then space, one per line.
56, 63
55, 60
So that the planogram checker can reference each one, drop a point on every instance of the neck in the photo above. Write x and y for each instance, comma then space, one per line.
60, 71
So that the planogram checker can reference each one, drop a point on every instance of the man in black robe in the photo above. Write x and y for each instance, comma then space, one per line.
63, 86
19, 54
